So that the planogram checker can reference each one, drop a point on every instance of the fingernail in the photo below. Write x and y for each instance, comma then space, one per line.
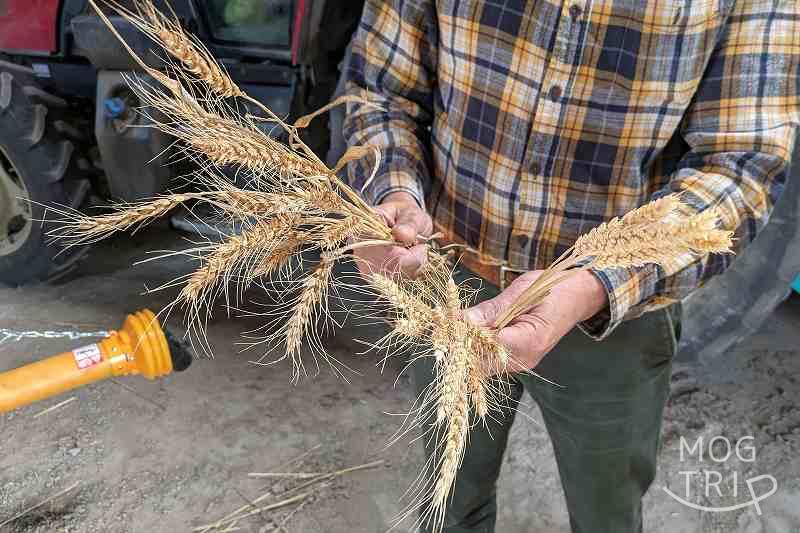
404, 233
474, 316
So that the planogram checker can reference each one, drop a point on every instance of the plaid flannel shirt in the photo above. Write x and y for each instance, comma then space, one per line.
522, 124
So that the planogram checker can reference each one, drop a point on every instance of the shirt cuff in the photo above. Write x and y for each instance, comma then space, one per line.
628, 290
395, 181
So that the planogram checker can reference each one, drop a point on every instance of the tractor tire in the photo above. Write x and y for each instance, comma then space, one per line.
37, 152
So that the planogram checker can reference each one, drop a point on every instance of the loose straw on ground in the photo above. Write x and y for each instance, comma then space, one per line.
55, 407
40, 504
249, 510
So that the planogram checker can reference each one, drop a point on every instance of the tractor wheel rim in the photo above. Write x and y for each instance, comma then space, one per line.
15, 208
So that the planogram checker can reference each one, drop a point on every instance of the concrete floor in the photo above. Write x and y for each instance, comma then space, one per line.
165, 456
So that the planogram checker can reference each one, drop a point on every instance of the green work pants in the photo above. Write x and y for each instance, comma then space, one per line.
604, 424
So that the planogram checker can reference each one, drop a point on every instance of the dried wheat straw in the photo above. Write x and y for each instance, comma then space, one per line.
40, 504
658, 233
55, 407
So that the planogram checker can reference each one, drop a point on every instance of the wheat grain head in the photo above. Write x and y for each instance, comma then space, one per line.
193, 57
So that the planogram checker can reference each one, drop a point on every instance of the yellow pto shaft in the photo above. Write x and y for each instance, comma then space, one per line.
139, 347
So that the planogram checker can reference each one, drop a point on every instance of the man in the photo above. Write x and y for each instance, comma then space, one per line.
514, 126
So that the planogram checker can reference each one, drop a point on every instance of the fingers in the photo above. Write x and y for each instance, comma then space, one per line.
370, 259
485, 313
406, 261
521, 284
524, 341
409, 222
413, 259
529, 337
392, 260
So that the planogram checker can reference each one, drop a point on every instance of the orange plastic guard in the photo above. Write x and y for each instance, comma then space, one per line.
139, 347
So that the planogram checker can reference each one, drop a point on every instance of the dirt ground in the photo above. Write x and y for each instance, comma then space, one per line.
167, 456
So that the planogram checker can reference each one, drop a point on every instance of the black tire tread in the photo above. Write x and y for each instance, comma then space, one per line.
77, 191
38, 125
38, 95
67, 130
5, 90
59, 169
44, 157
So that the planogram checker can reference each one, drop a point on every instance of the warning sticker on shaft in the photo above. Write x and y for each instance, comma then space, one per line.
87, 356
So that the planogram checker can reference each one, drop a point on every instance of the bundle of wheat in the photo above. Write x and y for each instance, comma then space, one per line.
662, 232
294, 203
471, 367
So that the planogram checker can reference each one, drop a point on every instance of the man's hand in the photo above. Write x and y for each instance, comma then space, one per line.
407, 220
533, 334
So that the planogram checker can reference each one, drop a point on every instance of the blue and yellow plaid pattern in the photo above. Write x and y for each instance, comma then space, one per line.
523, 124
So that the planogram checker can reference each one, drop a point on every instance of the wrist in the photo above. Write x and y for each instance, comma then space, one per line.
399, 197
592, 294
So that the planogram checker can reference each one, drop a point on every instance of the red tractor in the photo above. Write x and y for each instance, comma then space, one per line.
67, 115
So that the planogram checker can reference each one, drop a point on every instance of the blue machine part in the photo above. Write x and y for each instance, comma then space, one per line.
796, 284
114, 107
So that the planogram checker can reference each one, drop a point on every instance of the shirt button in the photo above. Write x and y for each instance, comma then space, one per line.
536, 168
575, 11
522, 240
555, 93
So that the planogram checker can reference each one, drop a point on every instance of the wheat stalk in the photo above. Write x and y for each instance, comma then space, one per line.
333, 235
279, 256
478, 394
452, 455
222, 139
454, 373
239, 254
328, 215
466, 357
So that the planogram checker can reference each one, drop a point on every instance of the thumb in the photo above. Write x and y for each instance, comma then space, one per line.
410, 222
485, 313
482, 315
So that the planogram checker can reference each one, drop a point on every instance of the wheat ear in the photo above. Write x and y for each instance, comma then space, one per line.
189, 122
657, 233
454, 402
192, 55
313, 293
81, 229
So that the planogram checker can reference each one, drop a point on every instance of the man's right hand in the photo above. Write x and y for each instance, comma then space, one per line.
407, 220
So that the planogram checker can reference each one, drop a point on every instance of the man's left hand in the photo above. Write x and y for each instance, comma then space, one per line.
533, 334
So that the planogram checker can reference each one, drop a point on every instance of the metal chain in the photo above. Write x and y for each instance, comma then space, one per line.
13, 335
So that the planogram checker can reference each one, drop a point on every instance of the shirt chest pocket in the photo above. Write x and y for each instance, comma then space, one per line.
650, 52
